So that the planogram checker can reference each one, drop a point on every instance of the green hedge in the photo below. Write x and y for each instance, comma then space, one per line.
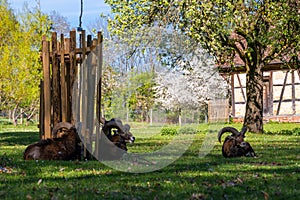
168, 131
295, 132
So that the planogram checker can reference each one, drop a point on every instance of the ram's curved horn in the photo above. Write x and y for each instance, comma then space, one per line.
113, 123
61, 125
127, 127
244, 130
228, 129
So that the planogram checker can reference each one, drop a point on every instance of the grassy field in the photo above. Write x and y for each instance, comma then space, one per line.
275, 174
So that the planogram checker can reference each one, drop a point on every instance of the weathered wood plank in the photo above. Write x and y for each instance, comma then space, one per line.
56, 98
99, 75
41, 111
63, 81
73, 71
47, 88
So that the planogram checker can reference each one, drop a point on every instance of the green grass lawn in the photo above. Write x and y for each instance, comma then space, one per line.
273, 175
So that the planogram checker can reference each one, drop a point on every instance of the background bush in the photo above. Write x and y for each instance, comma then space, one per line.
168, 131
294, 132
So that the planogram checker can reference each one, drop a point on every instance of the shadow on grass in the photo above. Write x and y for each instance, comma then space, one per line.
18, 138
273, 173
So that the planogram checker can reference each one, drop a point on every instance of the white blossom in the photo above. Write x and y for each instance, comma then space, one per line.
192, 85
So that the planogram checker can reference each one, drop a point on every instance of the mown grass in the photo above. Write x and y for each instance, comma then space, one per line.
273, 175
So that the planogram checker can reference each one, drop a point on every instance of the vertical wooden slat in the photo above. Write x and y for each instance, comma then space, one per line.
73, 70
87, 97
80, 76
68, 81
99, 84
47, 88
56, 98
98, 90
84, 104
83, 44
89, 41
41, 113
63, 83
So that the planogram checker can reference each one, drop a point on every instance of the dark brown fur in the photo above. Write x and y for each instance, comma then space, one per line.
114, 143
234, 145
65, 147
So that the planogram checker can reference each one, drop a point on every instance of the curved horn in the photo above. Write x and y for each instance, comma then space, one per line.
127, 127
244, 130
61, 125
228, 129
113, 123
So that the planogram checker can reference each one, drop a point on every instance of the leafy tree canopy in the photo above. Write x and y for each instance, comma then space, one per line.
20, 66
253, 31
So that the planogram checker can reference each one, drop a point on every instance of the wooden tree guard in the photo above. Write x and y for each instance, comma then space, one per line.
218, 110
61, 62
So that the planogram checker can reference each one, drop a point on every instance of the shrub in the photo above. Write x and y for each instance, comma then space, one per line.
187, 130
168, 131
294, 132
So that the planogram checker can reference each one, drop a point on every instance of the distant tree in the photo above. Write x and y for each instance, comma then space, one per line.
126, 77
99, 24
257, 32
141, 98
9, 27
190, 87
111, 90
20, 62
59, 23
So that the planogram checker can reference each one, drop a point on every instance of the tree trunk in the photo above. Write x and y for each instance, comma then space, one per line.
254, 105
179, 116
14, 115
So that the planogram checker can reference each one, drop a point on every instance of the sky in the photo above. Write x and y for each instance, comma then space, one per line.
67, 8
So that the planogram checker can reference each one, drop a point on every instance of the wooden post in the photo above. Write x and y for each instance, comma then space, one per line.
63, 81
68, 82
47, 88
56, 98
99, 84
98, 90
84, 104
73, 71
42, 110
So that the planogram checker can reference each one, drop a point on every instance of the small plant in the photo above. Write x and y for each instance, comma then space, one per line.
168, 131
187, 130
294, 132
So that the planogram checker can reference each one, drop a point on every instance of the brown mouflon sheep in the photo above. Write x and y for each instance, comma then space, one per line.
116, 136
65, 147
234, 144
